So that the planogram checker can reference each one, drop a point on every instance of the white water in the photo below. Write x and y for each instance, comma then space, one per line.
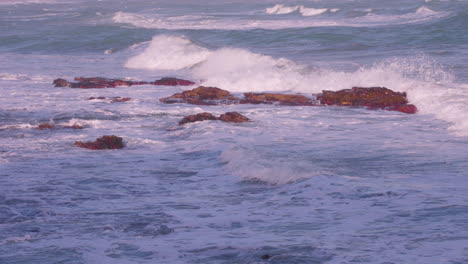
309, 18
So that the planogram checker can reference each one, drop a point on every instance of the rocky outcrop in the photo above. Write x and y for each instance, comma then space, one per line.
276, 98
372, 97
105, 142
99, 82
197, 117
172, 82
201, 96
232, 117
52, 126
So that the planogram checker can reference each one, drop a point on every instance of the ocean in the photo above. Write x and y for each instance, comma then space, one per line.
297, 184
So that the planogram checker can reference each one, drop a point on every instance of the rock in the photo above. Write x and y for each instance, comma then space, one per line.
270, 98
372, 97
197, 117
52, 126
117, 99
45, 126
121, 99
172, 82
74, 127
95, 82
105, 142
266, 256
201, 96
61, 83
233, 117
408, 109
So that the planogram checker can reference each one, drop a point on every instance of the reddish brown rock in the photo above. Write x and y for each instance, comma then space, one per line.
408, 109
201, 96
74, 127
197, 117
105, 142
372, 97
45, 126
233, 117
52, 126
270, 98
98, 98
172, 82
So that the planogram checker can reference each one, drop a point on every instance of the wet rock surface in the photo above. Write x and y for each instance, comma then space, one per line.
282, 99
105, 142
201, 96
172, 82
117, 99
100, 82
371, 97
197, 117
232, 117
46, 126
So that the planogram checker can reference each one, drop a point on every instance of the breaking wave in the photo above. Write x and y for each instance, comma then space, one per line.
280, 9
309, 18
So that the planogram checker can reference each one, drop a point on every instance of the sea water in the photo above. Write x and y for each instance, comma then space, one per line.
295, 185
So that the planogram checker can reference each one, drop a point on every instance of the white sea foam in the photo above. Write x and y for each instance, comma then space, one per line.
312, 11
423, 14
169, 53
281, 9
22, 77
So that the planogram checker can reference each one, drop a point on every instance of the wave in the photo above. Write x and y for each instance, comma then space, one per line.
308, 19
5, 76
255, 165
429, 86
280, 9
169, 53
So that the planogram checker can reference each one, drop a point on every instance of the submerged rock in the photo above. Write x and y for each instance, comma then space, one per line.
172, 82
233, 117
120, 99
52, 126
45, 126
100, 82
97, 98
371, 97
283, 99
117, 99
105, 142
74, 127
201, 96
